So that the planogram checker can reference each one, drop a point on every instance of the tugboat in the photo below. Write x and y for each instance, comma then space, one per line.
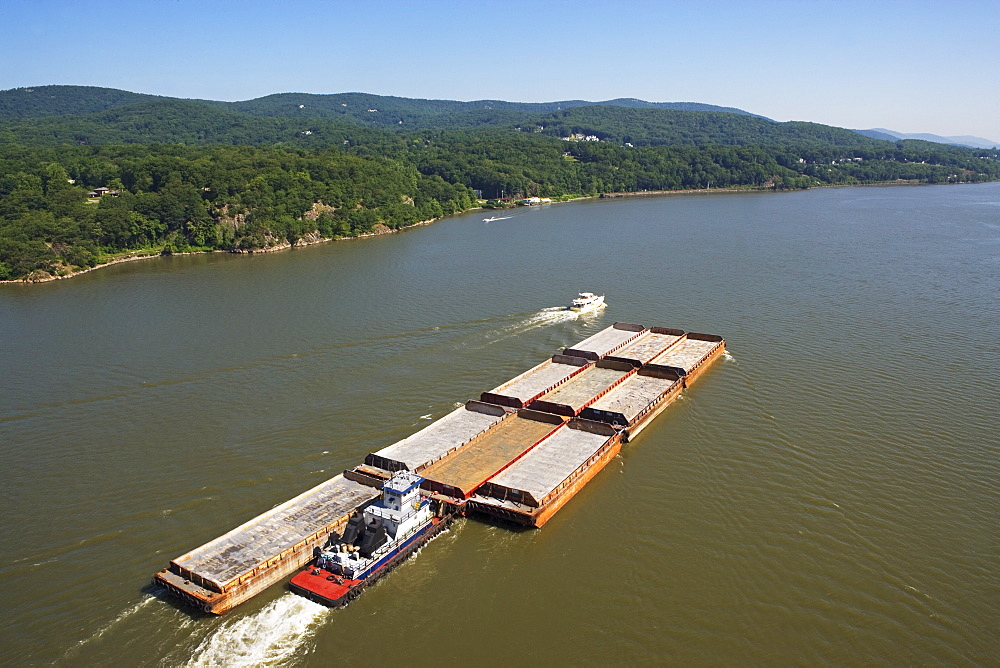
587, 301
373, 542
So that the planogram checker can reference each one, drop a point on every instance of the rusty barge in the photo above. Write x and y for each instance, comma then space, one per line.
520, 452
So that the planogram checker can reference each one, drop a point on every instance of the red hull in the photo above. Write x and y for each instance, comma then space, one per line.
322, 586
316, 584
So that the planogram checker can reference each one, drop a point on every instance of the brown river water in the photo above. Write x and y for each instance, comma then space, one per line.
826, 493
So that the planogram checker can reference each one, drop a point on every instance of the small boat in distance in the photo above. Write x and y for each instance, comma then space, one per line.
490, 220
587, 301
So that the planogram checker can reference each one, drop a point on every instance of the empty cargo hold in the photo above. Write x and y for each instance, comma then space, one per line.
605, 341
460, 473
575, 394
648, 345
438, 439
521, 390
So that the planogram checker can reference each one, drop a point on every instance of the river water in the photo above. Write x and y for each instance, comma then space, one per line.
826, 493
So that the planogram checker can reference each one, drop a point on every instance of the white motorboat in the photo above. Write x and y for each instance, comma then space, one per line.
587, 301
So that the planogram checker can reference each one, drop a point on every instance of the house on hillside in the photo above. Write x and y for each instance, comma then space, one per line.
101, 192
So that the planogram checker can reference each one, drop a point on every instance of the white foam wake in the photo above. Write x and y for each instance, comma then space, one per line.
544, 318
269, 637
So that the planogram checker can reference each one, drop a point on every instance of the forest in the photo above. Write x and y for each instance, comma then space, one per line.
190, 175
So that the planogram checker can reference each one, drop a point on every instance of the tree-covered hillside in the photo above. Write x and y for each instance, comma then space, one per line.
363, 108
163, 121
176, 198
58, 100
200, 175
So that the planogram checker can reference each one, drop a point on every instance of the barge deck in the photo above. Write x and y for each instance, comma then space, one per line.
439, 439
629, 406
521, 390
692, 354
647, 346
606, 341
532, 489
575, 395
238, 565
458, 475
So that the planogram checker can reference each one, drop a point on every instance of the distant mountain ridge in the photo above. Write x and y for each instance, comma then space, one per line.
364, 109
40, 101
962, 140
60, 115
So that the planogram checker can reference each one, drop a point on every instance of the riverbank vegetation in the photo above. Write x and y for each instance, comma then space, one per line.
190, 175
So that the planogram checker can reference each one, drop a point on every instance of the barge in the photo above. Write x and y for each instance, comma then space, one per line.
532, 489
606, 341
227, 571
519, 453
437, 440
521, 390
573, 396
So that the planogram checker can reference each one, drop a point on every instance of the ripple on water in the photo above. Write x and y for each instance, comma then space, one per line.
824, 494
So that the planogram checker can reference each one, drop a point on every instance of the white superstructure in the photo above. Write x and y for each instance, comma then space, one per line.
587, 301
382, 530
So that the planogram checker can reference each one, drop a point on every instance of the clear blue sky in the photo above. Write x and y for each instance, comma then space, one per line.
908, 66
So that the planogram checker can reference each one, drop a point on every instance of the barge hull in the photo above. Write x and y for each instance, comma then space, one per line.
233, 568
536, 517
546, 512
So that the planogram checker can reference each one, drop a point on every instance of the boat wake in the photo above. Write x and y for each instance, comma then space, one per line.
269, 637
525, 322
550, 316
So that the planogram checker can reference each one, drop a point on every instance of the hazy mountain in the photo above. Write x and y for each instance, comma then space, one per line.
963, 140
875, 134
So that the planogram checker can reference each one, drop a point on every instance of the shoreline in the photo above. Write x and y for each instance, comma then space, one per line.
132, 257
